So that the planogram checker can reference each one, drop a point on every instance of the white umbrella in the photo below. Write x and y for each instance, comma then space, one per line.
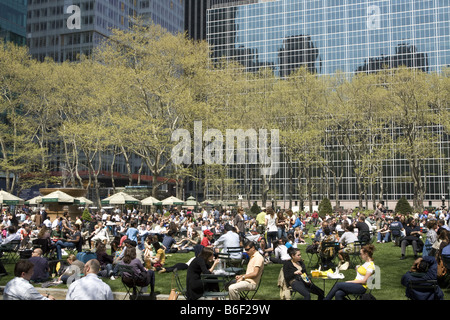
120, 198
59, 197
34, 201
9, 199
191, 202
84, 201
150, 201
170, 201
207, 202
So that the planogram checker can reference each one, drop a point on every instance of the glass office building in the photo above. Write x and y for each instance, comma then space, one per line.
327, 36
13, 16
64, 29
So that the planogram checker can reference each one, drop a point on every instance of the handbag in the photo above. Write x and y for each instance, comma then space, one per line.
173, 295
173, 292
441, 269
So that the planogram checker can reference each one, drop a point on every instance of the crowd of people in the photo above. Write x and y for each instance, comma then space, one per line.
143, 240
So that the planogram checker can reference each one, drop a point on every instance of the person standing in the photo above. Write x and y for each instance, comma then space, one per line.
90, 287
239, 222
272, 229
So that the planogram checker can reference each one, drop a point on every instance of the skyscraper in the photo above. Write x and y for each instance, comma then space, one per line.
330, 36
64, 29
13, 16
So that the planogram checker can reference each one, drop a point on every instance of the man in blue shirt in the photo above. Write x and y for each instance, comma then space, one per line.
319, 233
133, 232
168, 242
396, 228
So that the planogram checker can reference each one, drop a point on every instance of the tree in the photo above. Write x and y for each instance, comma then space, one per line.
163, 78
412, 110
403, 206
255, 209
301, 103
86, 216
325, 207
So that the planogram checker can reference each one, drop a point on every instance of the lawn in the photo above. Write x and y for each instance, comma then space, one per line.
386, 256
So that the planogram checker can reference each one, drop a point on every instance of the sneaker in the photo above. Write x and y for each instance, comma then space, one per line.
113, 278
344, 266
403, 258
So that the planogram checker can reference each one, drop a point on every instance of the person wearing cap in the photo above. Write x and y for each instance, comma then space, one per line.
207, 239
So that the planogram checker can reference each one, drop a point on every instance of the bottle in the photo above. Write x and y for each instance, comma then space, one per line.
305, 277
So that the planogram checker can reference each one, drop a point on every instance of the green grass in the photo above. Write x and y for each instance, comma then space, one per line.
386, 256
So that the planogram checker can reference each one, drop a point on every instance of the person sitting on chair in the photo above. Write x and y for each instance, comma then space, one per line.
204, 263
359, 284
69, 243
41, 268
413, 235
295, 275
248, 281
347, 244
423, 269
20, 287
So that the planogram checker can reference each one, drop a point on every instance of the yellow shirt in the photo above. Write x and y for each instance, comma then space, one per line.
261, 218
161, 255
363, 269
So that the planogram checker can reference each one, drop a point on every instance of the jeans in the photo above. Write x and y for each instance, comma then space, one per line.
305, 290
60, 244
341, 289
282, 233
271, 237
384, 237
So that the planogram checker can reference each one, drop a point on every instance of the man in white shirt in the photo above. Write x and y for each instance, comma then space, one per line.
47, 223
227, 240
12, 235
90, 287
20, 287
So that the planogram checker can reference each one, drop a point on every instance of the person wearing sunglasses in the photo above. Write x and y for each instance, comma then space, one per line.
248, 281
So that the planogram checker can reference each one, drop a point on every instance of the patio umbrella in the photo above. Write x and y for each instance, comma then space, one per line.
84, 201
9, 199
150, 201
171, 201
59, 197
120, 198
219, 203
34, 201
191, 202
207, 202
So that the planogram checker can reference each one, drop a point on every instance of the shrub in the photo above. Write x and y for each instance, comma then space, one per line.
255, 209
403, 206
325, 207
86, 216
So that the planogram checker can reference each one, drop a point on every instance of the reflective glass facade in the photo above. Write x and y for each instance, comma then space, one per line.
332, 35
13, 16
64, 29
327, 36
